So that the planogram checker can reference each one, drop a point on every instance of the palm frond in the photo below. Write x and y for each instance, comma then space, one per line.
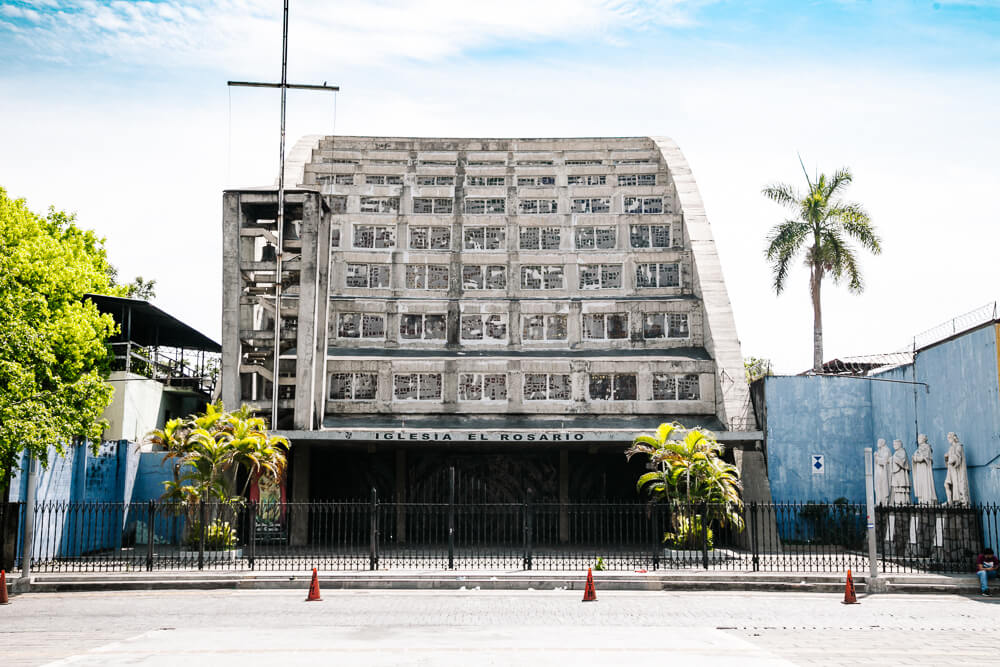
855, 221
840, 180
783, 194
784, 242
842, 261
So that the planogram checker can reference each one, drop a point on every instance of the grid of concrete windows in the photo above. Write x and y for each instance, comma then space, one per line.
523, 280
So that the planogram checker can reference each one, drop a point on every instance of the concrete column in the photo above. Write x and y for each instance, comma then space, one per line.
563, 495
400, 496
231, 300
306, 337
299, 529
322, 319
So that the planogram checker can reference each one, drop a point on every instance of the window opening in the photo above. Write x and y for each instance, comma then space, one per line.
417, 387
546, 386
353, 386
642, 205
485, 238
380, 204
657, 275
591, 179
592, 205
374, 236
605, 326
613, 387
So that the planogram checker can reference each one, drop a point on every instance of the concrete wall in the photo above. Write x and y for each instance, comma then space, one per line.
839, 417
134, 408
809, 415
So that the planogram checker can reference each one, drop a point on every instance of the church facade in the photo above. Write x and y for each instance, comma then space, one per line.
518, 309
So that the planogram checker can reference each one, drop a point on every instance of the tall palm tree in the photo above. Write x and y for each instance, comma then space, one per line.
821, 227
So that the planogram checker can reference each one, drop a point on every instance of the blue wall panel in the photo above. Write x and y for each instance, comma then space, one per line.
839, 417
809, 415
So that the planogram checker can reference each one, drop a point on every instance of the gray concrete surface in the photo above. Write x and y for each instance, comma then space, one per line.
496, 628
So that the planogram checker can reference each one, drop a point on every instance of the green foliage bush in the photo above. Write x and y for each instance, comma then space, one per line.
688, 534
219, 536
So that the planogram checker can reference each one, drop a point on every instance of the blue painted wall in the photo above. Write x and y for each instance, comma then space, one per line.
839, 417
809, 415
150, 477
62, 527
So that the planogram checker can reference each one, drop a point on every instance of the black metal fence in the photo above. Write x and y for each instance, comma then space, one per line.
374, 535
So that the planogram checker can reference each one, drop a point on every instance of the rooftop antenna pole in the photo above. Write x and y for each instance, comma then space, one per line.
284, 86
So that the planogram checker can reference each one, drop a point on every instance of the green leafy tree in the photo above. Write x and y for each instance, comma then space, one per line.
821, 230
756, 368
688, 473
53, 354
139, 288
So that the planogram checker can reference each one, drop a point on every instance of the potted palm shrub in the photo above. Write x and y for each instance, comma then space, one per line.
700, 490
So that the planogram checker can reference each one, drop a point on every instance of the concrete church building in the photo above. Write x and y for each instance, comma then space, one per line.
516, 308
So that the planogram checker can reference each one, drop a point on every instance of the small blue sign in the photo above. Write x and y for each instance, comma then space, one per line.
818, 464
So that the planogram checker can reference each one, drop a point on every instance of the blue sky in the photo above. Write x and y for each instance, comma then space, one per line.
119, 111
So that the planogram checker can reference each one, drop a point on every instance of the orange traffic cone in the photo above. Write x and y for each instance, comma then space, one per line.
589, 594
849, 595
3, 588
314, 589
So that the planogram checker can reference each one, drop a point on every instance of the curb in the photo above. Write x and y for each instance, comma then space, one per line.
506, 582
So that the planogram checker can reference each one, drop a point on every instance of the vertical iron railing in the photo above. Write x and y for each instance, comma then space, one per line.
371, 534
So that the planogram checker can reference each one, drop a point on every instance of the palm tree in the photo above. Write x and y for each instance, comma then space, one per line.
822, 226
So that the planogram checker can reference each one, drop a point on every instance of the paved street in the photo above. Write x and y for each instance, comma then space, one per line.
496, 627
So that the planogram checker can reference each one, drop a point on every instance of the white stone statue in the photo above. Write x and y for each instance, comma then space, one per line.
900, 475
956, 482
923, 472
882, 458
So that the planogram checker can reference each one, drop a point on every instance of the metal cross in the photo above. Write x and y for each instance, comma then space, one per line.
284, 86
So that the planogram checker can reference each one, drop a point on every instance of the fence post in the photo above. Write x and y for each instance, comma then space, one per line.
203, 511
529, 520
654, 515
252, 530
704, 535
754, 547
870, 510
150, 535
373, 532
451, 518
29, 518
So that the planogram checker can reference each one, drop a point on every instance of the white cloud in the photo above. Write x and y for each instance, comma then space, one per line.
245, 34
18, 12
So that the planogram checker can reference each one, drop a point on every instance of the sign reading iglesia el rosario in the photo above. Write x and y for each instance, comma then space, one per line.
458, 435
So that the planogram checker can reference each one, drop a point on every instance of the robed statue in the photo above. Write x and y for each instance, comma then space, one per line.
882, 458
956, 481
923, 472
900, 475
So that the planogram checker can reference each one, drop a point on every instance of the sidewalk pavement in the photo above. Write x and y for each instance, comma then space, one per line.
480, 579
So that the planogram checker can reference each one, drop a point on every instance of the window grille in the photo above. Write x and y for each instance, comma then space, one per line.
643, 205
657, 275
417, 386
546, 386
353, 386
613, 387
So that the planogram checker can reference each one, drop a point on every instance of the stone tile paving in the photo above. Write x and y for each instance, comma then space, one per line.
497, 627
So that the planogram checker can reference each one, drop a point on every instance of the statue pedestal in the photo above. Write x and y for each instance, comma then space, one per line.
961, 540
939, 537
